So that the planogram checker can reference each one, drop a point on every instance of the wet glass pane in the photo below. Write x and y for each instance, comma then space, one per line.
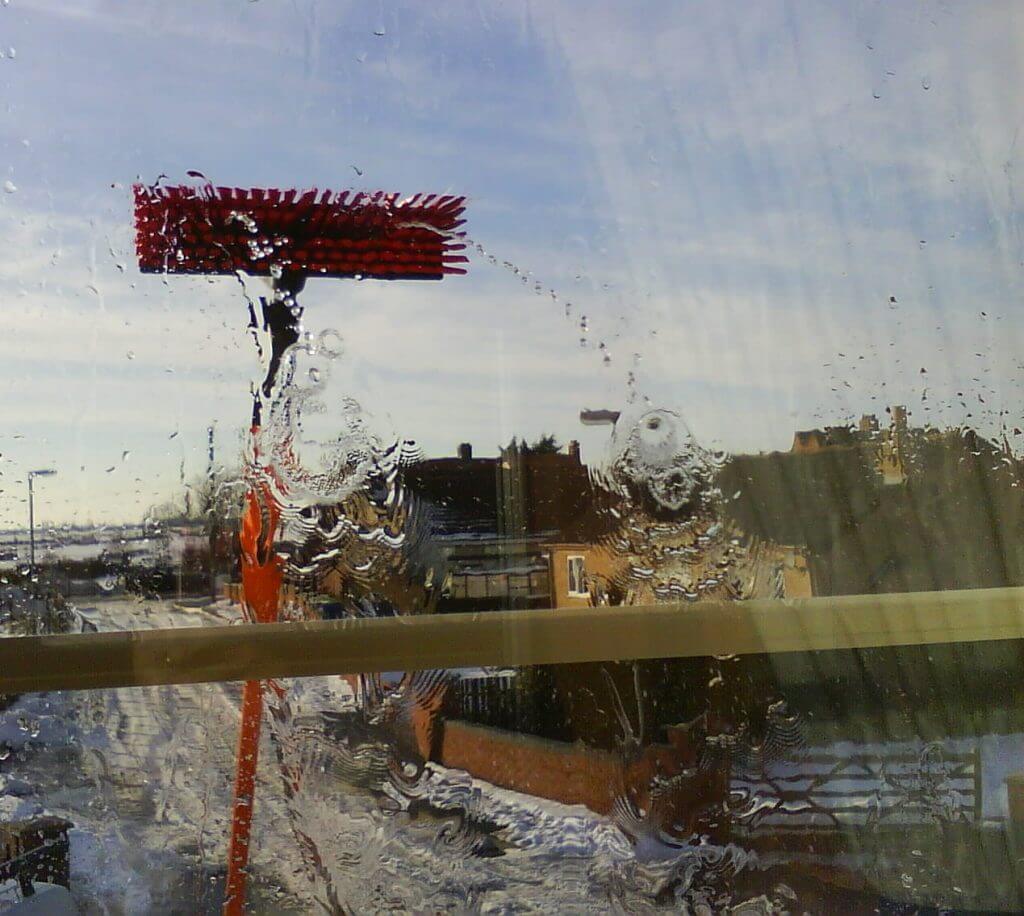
337, 312
841, 781
124, 796
762, 783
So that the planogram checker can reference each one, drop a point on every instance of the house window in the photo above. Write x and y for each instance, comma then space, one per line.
577, 577
459, 588
476, 586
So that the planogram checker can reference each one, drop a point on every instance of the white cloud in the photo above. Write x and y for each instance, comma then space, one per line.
736, 203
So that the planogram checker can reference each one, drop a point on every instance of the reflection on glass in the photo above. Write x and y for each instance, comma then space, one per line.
739, 322
843, 780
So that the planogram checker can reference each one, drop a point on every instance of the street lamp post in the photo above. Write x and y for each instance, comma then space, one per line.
32, 475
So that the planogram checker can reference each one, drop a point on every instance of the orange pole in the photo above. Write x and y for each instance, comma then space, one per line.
245, 797
261, 588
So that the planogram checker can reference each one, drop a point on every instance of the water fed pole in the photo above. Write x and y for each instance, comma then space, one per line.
289, 236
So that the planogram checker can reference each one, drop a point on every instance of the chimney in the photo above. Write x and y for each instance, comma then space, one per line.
465, 451
868, 423
574, 450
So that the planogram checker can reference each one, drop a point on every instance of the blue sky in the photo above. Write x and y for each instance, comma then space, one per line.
730, 193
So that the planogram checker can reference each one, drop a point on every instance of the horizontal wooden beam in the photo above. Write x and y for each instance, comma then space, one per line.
506, 638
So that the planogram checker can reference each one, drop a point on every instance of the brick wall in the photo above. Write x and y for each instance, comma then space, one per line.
569, 773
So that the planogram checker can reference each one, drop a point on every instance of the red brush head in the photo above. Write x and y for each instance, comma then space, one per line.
208, 230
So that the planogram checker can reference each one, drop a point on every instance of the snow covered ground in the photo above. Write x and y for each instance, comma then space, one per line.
145, 774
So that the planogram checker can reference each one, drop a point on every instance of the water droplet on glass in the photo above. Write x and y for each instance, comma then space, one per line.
380, 33
10, 187
926, 83
130, 354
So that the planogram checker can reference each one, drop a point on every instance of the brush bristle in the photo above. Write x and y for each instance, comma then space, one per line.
208, 230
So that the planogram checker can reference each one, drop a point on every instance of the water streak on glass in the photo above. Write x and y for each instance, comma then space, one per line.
734, 316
